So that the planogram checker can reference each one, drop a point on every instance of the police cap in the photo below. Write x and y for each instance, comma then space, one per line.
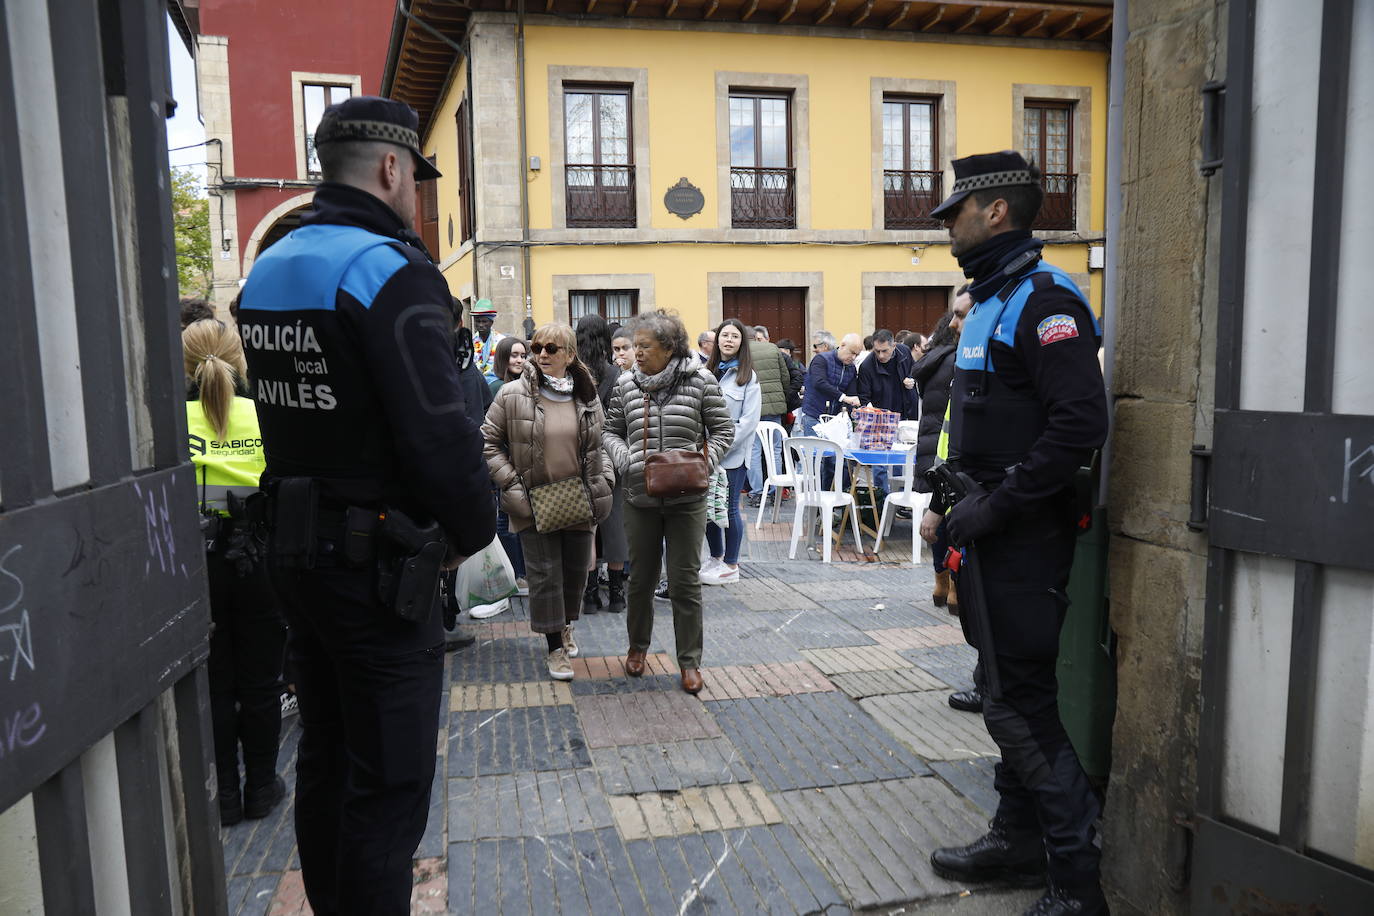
368, 117
985, 170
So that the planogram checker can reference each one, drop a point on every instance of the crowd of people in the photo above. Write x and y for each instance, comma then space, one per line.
355, 442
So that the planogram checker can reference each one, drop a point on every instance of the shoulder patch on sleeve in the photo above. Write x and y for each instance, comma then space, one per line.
369, 272
1055, 328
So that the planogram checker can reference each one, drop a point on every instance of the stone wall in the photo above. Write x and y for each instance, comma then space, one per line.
1165, 357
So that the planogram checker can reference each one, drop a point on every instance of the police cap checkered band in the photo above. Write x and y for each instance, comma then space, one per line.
995, 180
375, 119
337, 129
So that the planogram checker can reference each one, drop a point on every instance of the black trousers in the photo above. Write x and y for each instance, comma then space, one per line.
1041, 784
245, 667
369, 687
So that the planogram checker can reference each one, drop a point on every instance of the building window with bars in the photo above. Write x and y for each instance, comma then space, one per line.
1049, 144
912, 179
599, 174
315, 98
619, 305
763, 182
466, 208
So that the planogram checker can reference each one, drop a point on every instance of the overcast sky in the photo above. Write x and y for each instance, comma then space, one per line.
185, 129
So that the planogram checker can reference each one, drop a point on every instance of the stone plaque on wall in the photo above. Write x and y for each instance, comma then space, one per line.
684, 199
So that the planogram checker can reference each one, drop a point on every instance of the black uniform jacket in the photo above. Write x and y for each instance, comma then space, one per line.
349, 337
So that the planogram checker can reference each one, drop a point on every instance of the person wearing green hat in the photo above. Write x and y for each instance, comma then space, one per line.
484, 339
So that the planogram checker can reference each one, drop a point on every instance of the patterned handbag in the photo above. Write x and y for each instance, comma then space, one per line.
561, 504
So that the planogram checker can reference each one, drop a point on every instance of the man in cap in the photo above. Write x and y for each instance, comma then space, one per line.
1027, 409
484, 339
376, 479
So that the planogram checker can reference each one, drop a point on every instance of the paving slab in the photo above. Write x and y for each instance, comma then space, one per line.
813, 629
736, 682
601, 667
845, 660
918, 637
860, 684
875, 838
526, 804
643, 717
499, 661
670, 767
698, 809
482, 743
926, 723
509, 696
952, 664
972, 779
744, 639
818, 739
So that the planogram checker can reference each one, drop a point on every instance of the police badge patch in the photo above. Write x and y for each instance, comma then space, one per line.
1056, 327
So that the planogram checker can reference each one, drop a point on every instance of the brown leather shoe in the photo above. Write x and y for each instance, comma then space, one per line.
941, 593
691, 680
634, 662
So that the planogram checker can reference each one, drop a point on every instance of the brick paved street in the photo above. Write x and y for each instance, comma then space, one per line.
815, 773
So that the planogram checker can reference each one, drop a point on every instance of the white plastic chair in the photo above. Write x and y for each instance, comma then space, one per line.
808, 461
770, 436
905, 498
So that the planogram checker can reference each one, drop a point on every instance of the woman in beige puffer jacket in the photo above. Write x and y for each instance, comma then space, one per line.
545, 427
684, 407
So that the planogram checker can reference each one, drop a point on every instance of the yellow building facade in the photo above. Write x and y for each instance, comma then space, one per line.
810, 154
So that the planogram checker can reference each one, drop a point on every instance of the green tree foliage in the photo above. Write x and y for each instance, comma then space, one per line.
191, 221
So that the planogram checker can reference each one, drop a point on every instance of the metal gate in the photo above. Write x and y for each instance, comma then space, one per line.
1286, 736
104, 767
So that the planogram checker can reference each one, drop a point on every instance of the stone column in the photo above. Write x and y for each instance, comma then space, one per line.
212, 76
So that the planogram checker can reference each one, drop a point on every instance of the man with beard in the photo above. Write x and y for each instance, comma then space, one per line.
1027, 409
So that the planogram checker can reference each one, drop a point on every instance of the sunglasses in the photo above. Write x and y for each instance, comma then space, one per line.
538, 348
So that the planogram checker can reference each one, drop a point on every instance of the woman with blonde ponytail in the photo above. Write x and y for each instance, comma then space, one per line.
247, 636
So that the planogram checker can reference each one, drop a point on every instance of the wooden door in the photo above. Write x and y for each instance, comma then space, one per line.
913, 308
781, 309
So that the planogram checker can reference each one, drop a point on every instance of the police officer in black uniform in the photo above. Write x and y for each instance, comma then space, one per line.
1028, 408
377, 481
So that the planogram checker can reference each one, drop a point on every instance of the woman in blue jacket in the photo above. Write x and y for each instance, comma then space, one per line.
731, 365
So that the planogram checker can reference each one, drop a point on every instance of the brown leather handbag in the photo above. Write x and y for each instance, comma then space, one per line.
675, 471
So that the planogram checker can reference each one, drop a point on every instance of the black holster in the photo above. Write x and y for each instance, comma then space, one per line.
409, 560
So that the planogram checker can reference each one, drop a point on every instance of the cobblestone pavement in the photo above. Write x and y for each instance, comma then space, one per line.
815, 773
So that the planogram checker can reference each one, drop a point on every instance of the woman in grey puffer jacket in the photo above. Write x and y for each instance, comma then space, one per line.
684, 406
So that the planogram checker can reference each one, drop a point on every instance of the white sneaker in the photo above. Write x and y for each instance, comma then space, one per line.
568, 644
522, 588
483, 611
726, 574
560, 669
709, 570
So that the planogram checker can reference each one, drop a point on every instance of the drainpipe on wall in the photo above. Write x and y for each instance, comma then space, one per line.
1111, 281
524, 165
472, 157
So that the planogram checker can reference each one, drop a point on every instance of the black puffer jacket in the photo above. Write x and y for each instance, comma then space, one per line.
933, 373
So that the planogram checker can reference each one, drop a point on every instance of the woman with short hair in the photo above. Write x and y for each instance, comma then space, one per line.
543, 429
668, 402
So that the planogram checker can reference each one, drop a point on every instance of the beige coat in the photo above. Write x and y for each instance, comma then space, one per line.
514, 450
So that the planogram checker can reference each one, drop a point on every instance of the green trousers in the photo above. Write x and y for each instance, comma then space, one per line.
677, 530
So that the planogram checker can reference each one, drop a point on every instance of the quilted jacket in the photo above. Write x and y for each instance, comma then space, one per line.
514, 450
679, 415
774, 377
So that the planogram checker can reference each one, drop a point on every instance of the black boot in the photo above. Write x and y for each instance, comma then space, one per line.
967, 700
258, 801
999, 855
591, 596
1061, 901
230, 800
615, 591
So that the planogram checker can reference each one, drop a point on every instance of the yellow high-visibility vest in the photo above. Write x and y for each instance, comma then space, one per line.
235, 462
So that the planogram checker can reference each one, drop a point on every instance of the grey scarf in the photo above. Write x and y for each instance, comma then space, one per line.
661, 379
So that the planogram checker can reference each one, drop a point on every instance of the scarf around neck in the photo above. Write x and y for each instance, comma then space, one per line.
725, 366
984, 263
661, 379
562, 385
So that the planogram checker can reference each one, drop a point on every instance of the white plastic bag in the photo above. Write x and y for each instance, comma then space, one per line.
484, 578
838, 429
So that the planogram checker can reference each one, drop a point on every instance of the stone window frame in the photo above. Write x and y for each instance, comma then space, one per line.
944, 90
1081, 97
812, 280
637, 78
298, 79
563, 284
797, 85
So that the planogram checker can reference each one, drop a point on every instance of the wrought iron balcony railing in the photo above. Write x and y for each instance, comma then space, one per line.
601, 195
1060, 210
909, 196
763, 198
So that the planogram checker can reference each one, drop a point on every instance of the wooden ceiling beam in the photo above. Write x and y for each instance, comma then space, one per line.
710, 10
591, 5
827, 12
1036, 23
1003, 23
967, 22
933, 19
900, 16
1067, 26
1098, 29
749, 10
629, 10
863, 14
672, 8
787, 13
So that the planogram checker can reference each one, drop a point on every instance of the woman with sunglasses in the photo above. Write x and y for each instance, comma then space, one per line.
542, 429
